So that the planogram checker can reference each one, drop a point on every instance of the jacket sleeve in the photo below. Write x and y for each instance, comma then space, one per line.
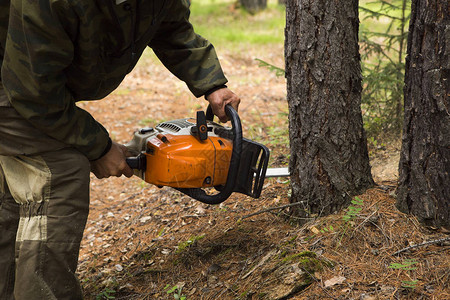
187, 55
38, 50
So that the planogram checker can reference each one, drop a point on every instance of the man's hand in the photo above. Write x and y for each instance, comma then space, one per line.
219, 99
112, 163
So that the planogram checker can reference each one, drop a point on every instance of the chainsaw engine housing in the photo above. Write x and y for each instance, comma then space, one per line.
176, 157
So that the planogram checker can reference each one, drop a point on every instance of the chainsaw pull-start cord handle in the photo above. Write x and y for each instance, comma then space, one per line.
227, 190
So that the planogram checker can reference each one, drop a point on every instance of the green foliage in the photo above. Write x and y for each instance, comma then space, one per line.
408, 266
176, 291
191, 241
278, 71
410, 284
353, 210
327, 229
383, 37
106, 294
351, 213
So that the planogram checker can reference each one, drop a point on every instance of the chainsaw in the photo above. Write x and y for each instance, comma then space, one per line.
193, 155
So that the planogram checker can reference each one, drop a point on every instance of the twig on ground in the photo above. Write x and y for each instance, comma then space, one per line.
192, 216
422, 244
294, 218
271, 209
315, 242
365, 220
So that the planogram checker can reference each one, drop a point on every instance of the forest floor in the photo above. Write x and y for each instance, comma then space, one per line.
142, 242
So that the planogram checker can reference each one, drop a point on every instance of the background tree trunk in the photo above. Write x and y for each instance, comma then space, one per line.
424, 182
253, 6
329, 159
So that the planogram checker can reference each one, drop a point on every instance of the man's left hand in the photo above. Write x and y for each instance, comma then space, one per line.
218, 99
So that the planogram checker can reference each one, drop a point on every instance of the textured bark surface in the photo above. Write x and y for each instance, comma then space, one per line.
424, 182
329, 158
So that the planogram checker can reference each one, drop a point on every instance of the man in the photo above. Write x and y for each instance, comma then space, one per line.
53, 54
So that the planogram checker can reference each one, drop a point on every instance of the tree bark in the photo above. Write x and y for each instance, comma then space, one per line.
424, 181
329, 158
254, 6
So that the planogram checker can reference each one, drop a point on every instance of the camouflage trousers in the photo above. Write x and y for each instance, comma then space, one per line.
44, 204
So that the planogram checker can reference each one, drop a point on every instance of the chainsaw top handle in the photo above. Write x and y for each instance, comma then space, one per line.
228, 188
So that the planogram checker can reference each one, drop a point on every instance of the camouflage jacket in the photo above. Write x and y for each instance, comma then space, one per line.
58, 52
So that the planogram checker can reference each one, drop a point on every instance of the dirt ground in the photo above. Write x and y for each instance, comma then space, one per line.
143, 242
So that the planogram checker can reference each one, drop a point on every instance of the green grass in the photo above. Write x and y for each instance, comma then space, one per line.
233, 30
230, 28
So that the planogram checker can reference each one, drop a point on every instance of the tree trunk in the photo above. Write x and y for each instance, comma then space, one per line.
329, 159
253, 6
424, 181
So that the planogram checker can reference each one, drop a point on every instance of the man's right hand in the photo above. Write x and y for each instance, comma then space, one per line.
112, 163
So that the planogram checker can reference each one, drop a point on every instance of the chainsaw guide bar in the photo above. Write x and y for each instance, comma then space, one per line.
193, 154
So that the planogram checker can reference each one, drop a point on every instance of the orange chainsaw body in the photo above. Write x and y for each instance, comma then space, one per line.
192, 154
183, 161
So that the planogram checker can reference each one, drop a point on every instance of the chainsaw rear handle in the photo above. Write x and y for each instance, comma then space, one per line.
137, 162
228, 188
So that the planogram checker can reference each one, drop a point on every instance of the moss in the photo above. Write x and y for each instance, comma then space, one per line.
310, 265
308, 261
306, 254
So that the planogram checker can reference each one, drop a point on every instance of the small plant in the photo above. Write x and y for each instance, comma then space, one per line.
192, 240
106, 294
327, 229
176, 291
162, 231
353, 210
408, 266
